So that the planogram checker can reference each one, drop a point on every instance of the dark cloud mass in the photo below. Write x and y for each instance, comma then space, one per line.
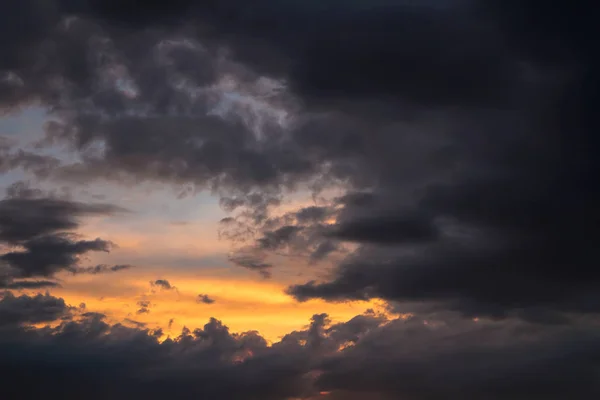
37, 238
458, 136
422, 359
22, 219
24, 310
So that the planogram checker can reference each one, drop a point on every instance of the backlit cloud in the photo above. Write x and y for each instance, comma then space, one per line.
382, 199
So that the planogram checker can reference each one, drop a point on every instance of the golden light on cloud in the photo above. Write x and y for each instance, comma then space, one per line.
180, 254
241, 303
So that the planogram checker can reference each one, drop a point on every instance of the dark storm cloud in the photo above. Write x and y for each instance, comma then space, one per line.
17, 310
461, 133
359, 49
512, 370
275, 239
39, 238
47, 255
377, 58
23, 219
387, 229
444, 111
368, 356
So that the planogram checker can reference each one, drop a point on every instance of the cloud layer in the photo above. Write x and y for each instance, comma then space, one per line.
370, 356
448, 148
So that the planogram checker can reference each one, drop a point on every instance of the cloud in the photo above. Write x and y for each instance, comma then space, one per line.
163, 284
102, 268
46, 255
38, 238
144, 307
461, 135
498, 360
23, 284
467, 137
387, 229
252, 262
25, 310
27, 161
205, 299
23, 219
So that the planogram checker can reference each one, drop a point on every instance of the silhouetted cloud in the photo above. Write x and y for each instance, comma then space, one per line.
163, 284
39, 240
459, 138
23, 219
205, 299
144, 307
46, 255
252, 262
101, 269
23, 284
19, 310
369, 356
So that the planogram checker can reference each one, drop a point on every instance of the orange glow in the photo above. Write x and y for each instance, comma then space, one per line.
242, 300
241, 303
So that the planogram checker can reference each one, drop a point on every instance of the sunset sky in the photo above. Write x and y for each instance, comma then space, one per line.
298, 200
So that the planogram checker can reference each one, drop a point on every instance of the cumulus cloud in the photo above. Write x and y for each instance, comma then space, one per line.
369, 356
25, 310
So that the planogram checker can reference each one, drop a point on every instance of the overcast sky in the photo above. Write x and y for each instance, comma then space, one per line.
298, 200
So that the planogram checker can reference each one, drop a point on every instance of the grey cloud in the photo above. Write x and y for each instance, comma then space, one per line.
17, 310
272, 240
163, 284
144, 307
26, 218
455, 363
13, 159
252, 262
23, 190
369, 356
205, 299
38, 232
27, 284
101, 269
323, 249
387, 229
312, 213
471, 120
46, 255
456, 113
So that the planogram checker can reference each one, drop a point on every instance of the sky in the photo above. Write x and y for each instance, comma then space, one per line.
285, 200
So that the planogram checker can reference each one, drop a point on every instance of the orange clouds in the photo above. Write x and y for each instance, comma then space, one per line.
192, 259
241, 303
